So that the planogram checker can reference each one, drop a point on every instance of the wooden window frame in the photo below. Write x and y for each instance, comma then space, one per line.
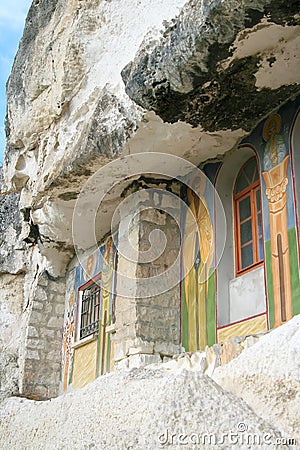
249, 191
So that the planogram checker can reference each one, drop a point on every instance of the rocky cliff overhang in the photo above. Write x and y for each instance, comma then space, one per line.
220, 64
197, 88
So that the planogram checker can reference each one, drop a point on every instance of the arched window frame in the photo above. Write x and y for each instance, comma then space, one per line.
253, 191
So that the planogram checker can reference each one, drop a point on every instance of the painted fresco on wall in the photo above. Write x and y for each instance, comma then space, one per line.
198, 287
85, 363
275, 166
68, 340
271, 140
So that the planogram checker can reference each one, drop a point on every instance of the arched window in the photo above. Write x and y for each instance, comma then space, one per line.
248, 217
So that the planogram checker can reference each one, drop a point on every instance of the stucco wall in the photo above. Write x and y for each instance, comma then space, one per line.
232, 163
247, 295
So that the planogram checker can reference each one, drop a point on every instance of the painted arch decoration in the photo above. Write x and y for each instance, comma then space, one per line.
272, 141
198, 286
273, 145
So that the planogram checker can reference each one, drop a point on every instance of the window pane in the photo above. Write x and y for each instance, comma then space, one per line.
244, 208
90, 311
248, 212
260, 249
247, 256
258, 205
249, 170
255, 177
242, 183
259, 225
246, 232
93, 299
97, 309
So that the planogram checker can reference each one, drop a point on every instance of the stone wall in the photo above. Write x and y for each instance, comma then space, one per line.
12, 276
42, 355
11, 245
147, 320
11, 303
148, 326
159, 316
68, 115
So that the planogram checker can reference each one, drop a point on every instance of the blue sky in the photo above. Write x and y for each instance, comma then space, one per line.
12, 19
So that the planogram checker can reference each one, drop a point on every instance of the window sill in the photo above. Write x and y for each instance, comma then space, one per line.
84, 341
248, 269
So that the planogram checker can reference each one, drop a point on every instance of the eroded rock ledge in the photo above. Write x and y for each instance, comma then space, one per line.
217, 64
151, 407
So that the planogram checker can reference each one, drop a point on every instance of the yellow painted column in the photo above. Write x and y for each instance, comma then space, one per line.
276, 182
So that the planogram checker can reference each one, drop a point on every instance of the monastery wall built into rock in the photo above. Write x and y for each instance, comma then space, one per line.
149, 215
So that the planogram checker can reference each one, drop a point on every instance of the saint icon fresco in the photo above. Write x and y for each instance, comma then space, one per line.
275, 163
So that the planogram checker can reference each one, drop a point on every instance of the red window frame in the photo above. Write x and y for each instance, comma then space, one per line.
251, 192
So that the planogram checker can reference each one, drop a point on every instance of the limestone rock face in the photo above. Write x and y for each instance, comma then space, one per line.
198, 76
12, 268
8, 375
158, 408
219, 64
137, 409
11, 245
68, 114
267, 377
67, 107
11, 328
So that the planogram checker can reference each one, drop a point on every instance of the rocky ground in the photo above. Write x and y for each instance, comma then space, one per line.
255, 405
267, 377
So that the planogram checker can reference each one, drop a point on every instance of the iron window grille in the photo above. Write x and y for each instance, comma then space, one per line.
90, 310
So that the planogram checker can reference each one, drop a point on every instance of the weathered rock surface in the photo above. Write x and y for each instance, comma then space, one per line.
213, 357
68, 114
218, 67
11, 246
11, 299
11, 304
267, 377
139, 409
67, 80
220, 64
147, 408
9, 374
12, 268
